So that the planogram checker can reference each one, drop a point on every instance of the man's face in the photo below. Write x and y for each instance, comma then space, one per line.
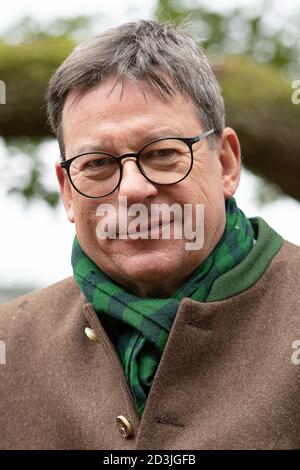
123, 123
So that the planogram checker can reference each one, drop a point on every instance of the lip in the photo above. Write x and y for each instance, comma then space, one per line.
151, 226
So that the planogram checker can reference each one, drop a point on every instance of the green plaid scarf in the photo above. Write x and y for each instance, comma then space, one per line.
139, 327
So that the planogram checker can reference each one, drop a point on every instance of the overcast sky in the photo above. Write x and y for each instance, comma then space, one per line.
36, 241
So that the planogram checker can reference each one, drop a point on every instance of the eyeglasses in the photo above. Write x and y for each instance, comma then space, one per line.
162, 162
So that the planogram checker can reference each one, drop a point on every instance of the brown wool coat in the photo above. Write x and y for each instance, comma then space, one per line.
225, 381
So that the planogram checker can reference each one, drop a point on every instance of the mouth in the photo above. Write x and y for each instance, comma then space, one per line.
153, 226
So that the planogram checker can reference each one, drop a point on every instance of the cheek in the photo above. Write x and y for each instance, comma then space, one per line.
85, 215
193, 190
204, 187
86, 219
206, 181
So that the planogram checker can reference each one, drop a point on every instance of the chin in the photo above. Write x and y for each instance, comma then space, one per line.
145, 261
148, 268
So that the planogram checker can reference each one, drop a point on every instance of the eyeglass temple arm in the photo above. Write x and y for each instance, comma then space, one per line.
193, 140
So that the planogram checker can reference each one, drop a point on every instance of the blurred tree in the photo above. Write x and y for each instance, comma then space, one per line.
252, 64
28, 57
239, 31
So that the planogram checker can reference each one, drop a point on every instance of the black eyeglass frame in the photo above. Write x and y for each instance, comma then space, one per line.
189, 141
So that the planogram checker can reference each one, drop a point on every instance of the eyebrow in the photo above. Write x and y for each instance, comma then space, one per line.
147, 137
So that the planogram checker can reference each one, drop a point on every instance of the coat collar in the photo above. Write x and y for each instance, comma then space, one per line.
248, 271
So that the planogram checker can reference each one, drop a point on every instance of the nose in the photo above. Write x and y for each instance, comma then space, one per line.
134, 185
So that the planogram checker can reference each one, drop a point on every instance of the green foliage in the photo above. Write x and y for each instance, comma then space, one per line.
28, 29
32, 186
238, 31
26, 66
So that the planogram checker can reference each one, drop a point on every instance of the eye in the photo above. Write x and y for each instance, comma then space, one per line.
94, 166
99, 163
162, 153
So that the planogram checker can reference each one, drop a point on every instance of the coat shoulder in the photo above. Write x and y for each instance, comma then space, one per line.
291, 249
45, 302
282, 281
289, 260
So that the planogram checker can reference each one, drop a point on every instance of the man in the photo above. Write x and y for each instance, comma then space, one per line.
151, 345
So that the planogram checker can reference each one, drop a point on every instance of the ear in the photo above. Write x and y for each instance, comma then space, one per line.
230, 159
65, 190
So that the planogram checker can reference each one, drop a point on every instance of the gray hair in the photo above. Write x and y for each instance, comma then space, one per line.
161, 54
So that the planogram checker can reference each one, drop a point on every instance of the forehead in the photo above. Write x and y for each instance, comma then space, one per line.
130, 110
